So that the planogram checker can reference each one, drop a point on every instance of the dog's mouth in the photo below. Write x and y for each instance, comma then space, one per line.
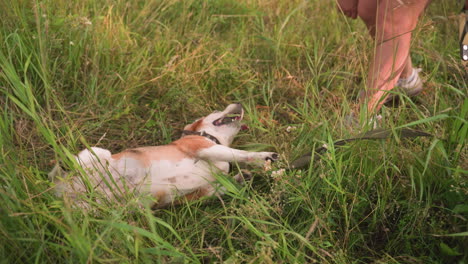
234, 116
228, 119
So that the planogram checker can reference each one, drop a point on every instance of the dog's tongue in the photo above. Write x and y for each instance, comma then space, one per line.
244, 127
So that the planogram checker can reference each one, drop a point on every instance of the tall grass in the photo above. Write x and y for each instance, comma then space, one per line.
120, 74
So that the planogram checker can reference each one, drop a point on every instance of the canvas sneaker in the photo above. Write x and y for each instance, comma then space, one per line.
411, 86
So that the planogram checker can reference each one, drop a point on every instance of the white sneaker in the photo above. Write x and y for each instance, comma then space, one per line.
374, 121
411, 86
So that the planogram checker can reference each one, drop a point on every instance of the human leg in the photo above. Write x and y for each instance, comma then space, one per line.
394, 20
348, 7
367, 11
407, 68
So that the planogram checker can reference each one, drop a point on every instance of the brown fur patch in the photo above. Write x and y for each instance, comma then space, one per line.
132, 153
148, 154
159, 195
172, 179
197, 194
135, 151
190, 145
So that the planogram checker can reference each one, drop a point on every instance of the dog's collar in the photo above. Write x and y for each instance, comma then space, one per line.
203, 134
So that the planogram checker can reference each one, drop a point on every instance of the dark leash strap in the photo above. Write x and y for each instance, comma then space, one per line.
203, 134
376, 134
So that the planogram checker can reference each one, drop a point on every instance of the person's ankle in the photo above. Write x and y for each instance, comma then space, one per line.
406, 73
414, 73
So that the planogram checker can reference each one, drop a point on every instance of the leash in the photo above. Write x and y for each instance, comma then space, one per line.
376, 134
306, 159
203, 134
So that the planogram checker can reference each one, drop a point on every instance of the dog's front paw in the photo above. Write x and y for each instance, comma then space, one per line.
271, 156
265, 156
259, 158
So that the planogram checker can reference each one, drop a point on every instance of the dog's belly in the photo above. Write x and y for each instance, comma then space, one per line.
170, 180
167, 179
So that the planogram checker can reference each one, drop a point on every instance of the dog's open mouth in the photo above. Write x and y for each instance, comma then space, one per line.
234, 115
229, 118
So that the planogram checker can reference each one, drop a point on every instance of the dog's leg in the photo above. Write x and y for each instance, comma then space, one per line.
242, 176
223, 153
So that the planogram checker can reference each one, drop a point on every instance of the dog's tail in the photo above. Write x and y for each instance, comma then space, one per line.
56, 171
56, 176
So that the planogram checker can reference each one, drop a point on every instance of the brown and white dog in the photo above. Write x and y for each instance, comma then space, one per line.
183, 169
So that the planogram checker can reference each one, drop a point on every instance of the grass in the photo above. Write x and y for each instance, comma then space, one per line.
120, 74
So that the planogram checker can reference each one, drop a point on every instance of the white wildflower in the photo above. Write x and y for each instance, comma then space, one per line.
85, 21
267, 165
290, 128
278, 173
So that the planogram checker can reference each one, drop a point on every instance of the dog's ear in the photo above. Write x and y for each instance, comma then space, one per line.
194, 126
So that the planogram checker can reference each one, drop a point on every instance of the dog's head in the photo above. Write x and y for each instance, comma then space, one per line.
224, 125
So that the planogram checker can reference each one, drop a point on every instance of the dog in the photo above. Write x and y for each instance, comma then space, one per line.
182, 170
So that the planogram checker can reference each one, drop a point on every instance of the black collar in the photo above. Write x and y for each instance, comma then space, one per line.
203, 134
